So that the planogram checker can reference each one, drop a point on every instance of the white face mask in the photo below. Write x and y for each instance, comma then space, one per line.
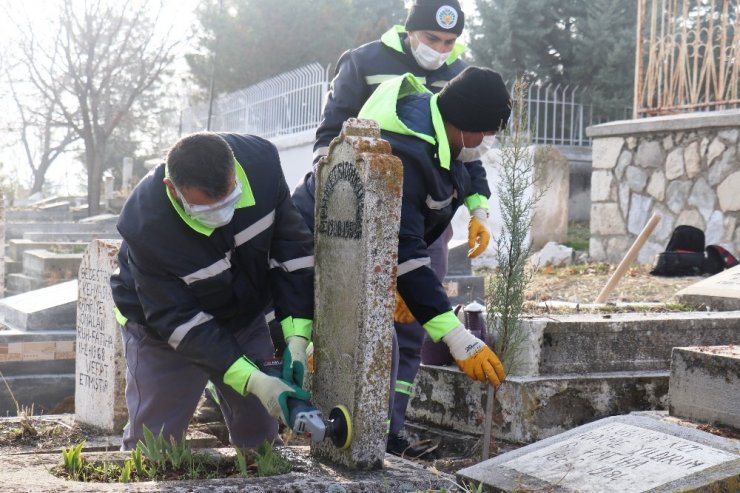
468, 154
213, 215
428, 58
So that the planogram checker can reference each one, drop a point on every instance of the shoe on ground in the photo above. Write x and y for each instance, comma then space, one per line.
400, 446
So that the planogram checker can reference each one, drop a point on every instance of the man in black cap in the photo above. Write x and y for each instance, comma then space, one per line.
431, 134
427, 48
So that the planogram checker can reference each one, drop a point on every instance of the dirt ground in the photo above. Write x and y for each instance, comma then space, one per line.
582, 283
579, 283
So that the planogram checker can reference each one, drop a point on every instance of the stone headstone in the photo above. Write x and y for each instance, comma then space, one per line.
126, 172
718, 292
705, 384
358, 204
100, 370
458, 263
460, 284
622, 454
550, 214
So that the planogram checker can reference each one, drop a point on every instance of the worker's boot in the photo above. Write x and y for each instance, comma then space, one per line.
399, 445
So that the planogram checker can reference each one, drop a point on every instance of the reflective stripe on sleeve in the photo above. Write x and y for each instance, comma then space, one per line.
210, 271
404, 387
440, 204
183, 330
439, 83
441, 325
120, 317
475, 201
253, 230
412, 264
292, 265
237, 376
371, 80
296, 327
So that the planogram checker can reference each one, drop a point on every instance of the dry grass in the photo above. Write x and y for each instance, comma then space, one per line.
582, 283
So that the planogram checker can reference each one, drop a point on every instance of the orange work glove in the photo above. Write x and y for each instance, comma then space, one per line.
478, 233
310, 358
401, 314
474, 357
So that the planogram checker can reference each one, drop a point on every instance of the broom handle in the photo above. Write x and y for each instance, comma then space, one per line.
629, 257
488, 422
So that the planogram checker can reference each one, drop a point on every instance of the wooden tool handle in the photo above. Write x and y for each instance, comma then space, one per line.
629, 257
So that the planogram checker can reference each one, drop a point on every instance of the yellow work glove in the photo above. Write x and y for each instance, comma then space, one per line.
474, 357
401, 313
478, 233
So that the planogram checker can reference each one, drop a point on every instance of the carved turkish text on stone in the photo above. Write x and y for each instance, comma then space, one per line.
349, 227
99, 375
94, 344
618, 457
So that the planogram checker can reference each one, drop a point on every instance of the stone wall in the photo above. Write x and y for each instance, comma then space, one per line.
685, 167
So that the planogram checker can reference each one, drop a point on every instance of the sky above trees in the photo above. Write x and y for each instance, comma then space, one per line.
589, 41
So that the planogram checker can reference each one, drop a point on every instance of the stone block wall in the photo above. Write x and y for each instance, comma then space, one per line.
685, 167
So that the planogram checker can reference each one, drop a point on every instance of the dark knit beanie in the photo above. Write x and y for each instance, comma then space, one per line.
436, 15
476, 100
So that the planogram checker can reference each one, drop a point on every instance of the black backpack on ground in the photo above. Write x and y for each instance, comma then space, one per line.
686, 255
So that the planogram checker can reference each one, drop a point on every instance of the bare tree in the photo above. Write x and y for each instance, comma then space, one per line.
100, 61
43, 137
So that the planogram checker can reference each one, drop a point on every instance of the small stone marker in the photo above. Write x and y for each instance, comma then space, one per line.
622, 454
100, 370
719, 292
460, 284
705, 384
358, 210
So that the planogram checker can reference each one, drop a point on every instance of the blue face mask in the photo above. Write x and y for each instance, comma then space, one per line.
213, 215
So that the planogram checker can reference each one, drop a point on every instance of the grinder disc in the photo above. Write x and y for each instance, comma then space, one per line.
341, 421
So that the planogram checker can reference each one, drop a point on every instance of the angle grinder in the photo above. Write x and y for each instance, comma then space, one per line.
307, 419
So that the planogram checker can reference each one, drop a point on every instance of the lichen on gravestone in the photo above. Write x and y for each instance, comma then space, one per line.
358, 203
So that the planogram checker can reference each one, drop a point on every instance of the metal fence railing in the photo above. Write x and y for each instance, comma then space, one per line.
559, 115
687, 56
286, 104
292, 102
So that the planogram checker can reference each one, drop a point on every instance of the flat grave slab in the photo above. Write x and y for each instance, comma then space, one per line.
50, 308
585, 343
718, 292
705, 384
45, 264
530, 408
622, 454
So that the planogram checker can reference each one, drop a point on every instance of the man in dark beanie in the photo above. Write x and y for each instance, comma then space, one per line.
427, 48
434, 135
475, 101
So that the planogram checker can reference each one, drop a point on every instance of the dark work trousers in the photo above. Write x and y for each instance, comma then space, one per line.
163, 388
407, 341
